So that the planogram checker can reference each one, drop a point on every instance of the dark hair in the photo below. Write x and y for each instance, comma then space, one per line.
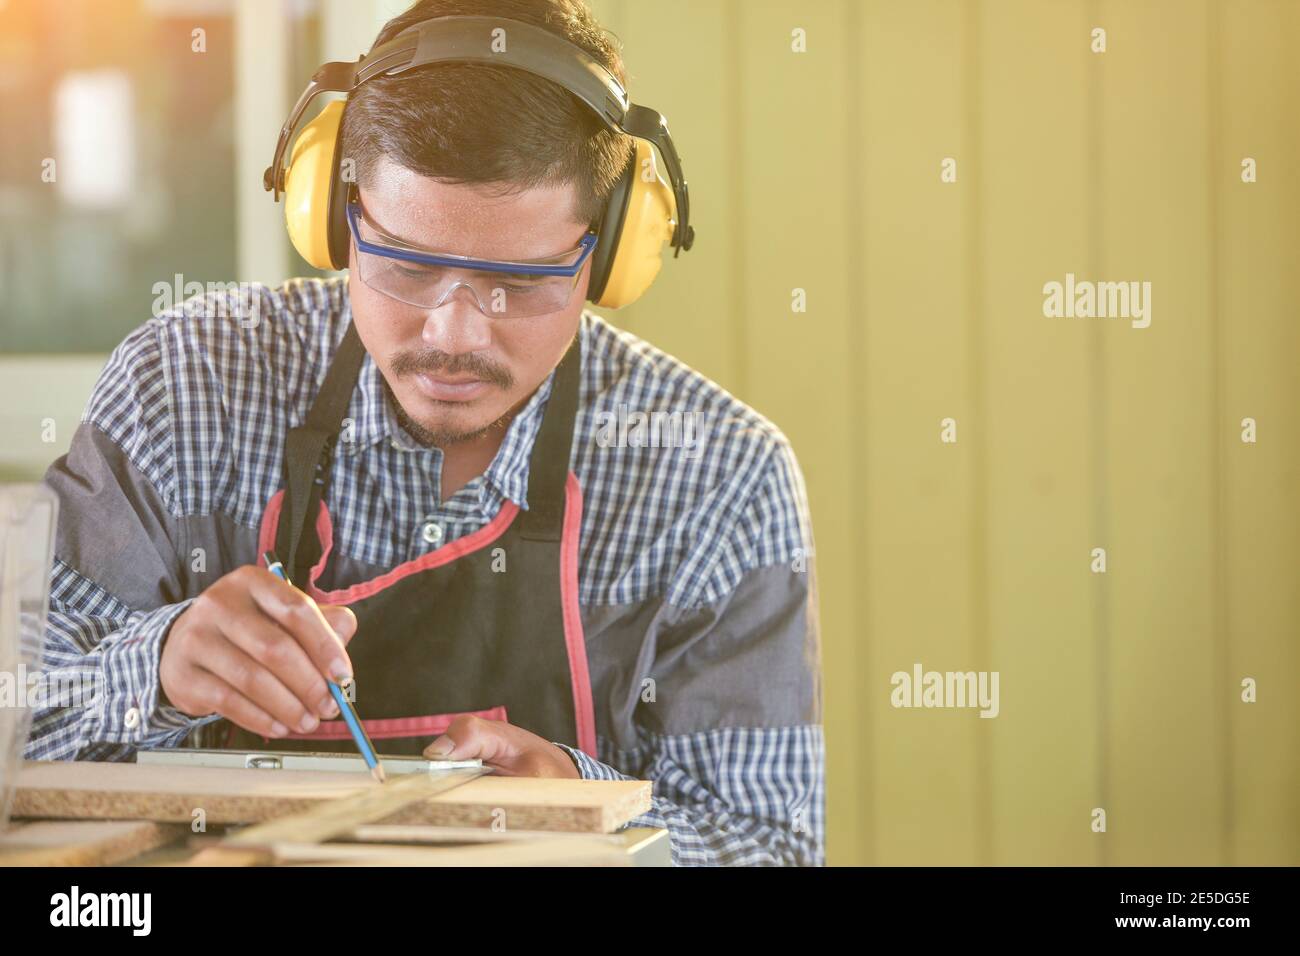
475, 123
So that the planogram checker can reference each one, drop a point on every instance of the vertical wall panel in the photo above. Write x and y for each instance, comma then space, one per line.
795, 371
1166, 766
694, 88
1032, 173
918, 543
821, 171
1258, 100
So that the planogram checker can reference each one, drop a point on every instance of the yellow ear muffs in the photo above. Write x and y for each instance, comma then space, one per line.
639, 219
312, 190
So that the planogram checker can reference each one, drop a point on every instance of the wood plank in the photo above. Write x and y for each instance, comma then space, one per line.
333, 817
564, 850
95, 790
406, 833
393, 844
82, 842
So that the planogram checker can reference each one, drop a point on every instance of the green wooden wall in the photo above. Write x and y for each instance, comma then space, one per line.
820, 171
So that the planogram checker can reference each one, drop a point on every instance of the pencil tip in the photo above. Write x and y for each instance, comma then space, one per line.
377, 771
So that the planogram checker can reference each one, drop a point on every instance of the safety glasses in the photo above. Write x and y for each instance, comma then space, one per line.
500, 289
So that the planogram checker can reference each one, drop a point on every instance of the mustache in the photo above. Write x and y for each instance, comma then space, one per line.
435, 360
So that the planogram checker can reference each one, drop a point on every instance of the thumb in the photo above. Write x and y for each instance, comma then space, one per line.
341, 619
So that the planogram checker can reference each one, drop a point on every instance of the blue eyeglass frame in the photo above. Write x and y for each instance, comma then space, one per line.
586, 244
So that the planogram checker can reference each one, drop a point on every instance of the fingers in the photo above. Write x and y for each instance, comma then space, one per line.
278, 662
212, 695
471, 738
341, 619
300, 617
509, 750
256, 683
264, 641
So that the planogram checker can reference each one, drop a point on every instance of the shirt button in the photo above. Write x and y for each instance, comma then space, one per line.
132, 719
431, 532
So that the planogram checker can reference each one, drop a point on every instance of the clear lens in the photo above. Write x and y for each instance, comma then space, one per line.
396, 272
498, 294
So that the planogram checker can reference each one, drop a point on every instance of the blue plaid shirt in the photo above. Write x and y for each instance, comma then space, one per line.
696, 583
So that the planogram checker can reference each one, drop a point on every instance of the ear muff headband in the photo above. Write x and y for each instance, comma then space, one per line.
642, 213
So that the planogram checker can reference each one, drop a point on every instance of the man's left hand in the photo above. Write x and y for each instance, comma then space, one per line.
509, 750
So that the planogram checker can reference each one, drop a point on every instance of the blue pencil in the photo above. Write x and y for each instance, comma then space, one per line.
345, 706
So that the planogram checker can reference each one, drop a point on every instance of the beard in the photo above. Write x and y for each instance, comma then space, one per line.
433, 360
439, 437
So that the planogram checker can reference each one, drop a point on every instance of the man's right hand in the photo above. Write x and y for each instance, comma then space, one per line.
256, 650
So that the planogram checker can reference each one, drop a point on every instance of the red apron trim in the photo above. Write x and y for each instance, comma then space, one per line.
444, 555
391, 727
325, 532
574, 640
271, 522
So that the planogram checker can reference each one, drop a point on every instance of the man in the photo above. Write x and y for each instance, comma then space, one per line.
510, 564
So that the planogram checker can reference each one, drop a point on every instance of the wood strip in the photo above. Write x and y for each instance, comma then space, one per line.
83, 842
389, 833
102, 790
232, 856
549, 850
347, 813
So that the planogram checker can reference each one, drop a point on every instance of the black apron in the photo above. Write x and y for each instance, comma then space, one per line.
486, 625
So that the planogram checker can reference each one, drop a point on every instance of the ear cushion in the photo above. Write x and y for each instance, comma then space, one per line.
310, 189
607, 232
645, 223
340, 236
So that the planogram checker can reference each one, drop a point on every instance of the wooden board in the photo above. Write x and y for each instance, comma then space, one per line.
547, 850
82, 842
330, 818
99, 790
397, 834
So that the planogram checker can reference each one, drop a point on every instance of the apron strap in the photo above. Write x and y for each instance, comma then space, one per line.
308, 452
548, 467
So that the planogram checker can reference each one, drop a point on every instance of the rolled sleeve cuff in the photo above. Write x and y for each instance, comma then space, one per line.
589, 767
129, 711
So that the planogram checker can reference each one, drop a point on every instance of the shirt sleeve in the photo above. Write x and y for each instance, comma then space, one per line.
778, 821
117, 582
98, 693
727, 723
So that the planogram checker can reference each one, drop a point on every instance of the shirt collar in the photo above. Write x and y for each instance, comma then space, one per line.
372, 417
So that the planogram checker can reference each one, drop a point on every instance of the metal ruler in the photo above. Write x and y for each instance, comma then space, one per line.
293, 760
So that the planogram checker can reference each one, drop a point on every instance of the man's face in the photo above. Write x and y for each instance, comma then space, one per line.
453, 371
